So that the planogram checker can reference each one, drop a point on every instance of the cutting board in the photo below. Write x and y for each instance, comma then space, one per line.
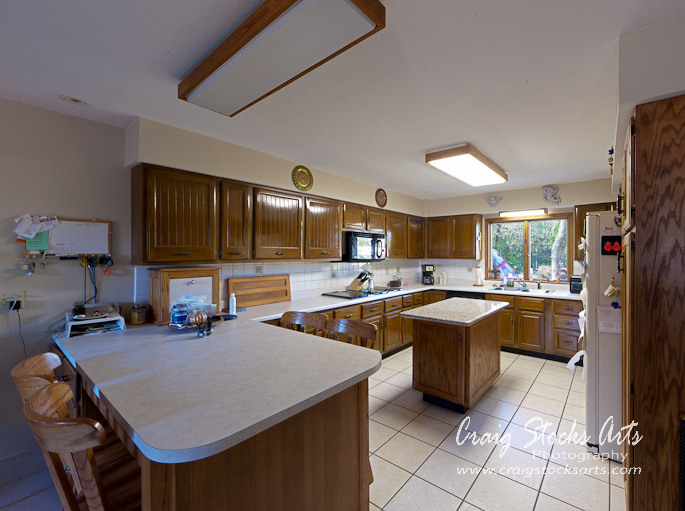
251, 291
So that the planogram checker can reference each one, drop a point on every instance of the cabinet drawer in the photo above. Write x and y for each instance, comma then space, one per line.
418, 299
352, 312
393, 304
531, 304
567, 307
501, 298
407, 302
566, 322
565, 343
372, 309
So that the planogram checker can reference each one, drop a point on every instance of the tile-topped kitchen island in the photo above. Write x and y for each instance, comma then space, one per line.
456, 356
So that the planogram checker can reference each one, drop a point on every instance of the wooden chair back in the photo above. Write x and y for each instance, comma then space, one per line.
309, 322
352, 331
35, 373
78, 483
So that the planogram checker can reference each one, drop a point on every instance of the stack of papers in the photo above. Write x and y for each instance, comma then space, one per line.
35, 233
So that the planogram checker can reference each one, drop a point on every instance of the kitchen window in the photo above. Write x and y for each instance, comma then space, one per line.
530, 248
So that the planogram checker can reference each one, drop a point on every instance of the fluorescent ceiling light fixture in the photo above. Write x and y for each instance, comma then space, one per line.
467, 164
280, 42
523, 212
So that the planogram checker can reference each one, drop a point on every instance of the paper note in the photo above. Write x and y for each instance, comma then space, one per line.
38, 242
608, 320
61, 248
26, 228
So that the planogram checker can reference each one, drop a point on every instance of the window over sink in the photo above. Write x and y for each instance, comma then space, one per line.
530, 248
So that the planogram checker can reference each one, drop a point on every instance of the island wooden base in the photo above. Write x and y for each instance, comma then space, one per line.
317, 459
456, 363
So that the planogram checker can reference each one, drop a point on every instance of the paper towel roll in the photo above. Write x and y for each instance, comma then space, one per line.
583, 296
480, 277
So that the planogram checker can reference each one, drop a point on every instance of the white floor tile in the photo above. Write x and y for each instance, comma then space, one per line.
403, 380
394, 416
617, 498
384, 373
574, 413
395, 364
576, 456
482, 424
494, 492
547, 503
387, 480
540, 389
524, 374
412, 400
544, 422
576, 489
449, 472
379, 434
518, 466
576, 398
418, 494
559, 372
555, 381
579, 386
468, 445
386, 391
496, 408
375, 404
406, 452
616, 477
530, 441
542, 404
429, 430
506, 394
513, 382
443, 414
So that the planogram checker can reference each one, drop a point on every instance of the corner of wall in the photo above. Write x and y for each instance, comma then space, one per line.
132, 144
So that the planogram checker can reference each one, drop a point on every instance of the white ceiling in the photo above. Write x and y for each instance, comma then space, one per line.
532, 84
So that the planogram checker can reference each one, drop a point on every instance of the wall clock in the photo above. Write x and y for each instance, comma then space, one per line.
381, 197
302, 178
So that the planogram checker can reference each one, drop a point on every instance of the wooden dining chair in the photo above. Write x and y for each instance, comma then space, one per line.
35, 373
352, 331
81, 484
309, 322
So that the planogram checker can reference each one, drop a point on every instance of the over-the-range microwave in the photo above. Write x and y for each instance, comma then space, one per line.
363, 247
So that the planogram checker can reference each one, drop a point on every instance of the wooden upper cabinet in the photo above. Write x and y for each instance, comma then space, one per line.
362, 218
236, 220
396, 234
628, 171
580, 213
277, 224
416, 237
323, 224
173, 216
438, 234
465, 239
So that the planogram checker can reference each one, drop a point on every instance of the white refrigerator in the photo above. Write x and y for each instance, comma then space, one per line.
603, 334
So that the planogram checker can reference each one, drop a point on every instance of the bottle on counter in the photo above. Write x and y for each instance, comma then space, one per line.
371, 286
510, 280
231, 305
139, 314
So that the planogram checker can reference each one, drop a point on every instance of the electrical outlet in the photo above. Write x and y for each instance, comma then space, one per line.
334, 275
469, 269
6, 300
258, 269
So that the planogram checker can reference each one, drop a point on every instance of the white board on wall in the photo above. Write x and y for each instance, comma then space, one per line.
79, 237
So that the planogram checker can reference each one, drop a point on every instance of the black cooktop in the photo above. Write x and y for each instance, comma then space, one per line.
350, 295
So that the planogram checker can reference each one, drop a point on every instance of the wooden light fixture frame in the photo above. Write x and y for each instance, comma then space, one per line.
258, 21
467, 149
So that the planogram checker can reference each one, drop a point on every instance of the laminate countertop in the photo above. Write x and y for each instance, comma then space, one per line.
456, 311
182, 398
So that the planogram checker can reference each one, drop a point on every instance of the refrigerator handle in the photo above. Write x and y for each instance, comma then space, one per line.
618, 263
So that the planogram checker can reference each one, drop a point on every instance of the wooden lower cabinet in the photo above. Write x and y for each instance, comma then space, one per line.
566, 329
506, 322
392, 337
434, 296
530, 330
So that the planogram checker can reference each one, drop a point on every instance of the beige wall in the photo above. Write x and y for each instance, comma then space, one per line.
588, 192
54, 164
151, 142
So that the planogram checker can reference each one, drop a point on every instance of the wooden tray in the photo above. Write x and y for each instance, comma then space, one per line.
251, 291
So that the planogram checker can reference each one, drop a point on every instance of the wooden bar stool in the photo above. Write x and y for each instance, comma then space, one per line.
352, 331
309, 322
81, 483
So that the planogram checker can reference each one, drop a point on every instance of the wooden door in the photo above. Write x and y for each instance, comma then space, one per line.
416, 237
506, 328
236, 220
396, 235
465, 231
393, 331
354, 217
375, 220
628, 170
628, 299
530, 330
579, 219
277, 224
181, 216
438, 236
323, 227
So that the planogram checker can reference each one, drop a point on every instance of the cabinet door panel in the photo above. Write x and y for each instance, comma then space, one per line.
465, 237
531, 331
181, 214
506, 320
565, 342
354, 217
438, 237
278, 225
378, 321
416, 239
375, 220
323, 229
393, 331
396, 235
407, 330
236, 220
629, 179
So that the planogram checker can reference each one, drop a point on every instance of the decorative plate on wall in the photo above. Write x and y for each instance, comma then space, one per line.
302, 178
381, 197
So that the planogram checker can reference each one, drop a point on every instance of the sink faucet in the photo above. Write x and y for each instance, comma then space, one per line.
540, 280
522, 282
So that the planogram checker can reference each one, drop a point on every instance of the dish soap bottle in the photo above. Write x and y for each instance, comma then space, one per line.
231, 305
510, 281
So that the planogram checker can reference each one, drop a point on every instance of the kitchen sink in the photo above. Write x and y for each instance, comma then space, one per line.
522, 290
545, 291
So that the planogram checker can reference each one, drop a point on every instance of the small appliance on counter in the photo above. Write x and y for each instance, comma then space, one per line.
427, 274
575, 284
90, 319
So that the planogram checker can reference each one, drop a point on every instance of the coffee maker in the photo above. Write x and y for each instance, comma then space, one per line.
427, 277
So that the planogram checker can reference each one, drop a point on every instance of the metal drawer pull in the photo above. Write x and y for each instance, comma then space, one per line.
348, 316
325, 253
280, 253
184, 253
373, 310
568, 322
568, 308
235, 252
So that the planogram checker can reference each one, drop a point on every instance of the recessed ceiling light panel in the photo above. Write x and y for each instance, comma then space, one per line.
467, 164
